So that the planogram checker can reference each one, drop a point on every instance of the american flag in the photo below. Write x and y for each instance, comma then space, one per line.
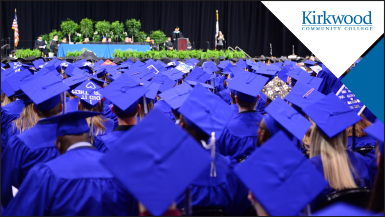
16, 28
216, 31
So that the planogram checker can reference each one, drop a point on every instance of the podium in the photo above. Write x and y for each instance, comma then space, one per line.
182, 44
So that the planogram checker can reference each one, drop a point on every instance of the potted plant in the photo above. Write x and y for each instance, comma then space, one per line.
133, 28
78, 38
141, 37
159, 37
103, 27
54, 32
86, 27
69, 27
118, 29
96, 37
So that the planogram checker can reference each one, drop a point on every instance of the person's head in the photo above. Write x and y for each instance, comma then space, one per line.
64, 39
232, 96
96, 120
104, 39
245, 102
126, 38
335, 161
263, 133
62, 143
27, 119
109, 40
194, 131
40, 38
86, 39
188, 40
220, 33
43, 112
176, 29
148, 38
168, 38
127, 116
152, 40
55, 37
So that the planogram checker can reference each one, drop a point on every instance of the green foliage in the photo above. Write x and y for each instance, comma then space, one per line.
118, 53
133, 27
87, 27
75, 53
159, 37
103, 27
54, 32
118, 29
97, 37
141, 37
69, 27
24, 53
78, 37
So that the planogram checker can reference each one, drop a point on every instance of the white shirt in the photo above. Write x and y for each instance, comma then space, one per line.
79, 144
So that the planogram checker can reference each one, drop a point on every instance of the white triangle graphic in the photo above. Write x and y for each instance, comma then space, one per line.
337, 49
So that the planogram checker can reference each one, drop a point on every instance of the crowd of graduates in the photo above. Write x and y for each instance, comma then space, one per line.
264, 136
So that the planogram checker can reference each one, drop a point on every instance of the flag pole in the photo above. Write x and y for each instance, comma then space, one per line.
217, 33
14, 48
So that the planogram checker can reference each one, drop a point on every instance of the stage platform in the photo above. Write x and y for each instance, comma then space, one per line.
101, 50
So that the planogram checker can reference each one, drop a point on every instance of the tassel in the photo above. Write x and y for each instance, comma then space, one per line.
211, 146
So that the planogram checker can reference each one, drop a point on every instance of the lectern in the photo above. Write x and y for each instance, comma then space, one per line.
182, 44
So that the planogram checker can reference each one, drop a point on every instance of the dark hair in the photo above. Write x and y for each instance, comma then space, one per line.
232, 98
124, 116
377, 200
192, 131
49, 113
246, 105
64, 37
54, 35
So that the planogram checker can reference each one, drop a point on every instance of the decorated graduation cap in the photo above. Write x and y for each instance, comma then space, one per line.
276, 87
125, 88
247, 86
303, 95
176, 96
206, 111
376, 130
287, 174
45, 91
197, 74
156, 171
343, 209
89, 93
72, 123
165, 82
287, 117
331, 115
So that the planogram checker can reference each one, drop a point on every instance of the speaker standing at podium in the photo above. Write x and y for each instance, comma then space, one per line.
175, 35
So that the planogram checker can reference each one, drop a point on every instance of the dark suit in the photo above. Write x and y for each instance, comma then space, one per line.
174, 38
168, 44
41, 43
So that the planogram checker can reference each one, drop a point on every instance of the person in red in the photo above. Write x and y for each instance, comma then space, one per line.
127, 40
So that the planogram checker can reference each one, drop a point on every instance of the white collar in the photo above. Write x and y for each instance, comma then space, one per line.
79, 144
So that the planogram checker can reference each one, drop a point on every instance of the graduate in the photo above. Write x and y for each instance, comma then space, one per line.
342, 168
74, 183
126, 110
239, 138
204, 116
35, 145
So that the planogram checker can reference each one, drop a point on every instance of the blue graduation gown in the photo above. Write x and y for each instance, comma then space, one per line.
239, 138
103, 143
328, 81
166, 108
225, 190
107, 112
225, 95
236, 109
72, 105
338, 84
11, 131
371, 160
33, 146
72, 184
9, 113
361, 141
362, 178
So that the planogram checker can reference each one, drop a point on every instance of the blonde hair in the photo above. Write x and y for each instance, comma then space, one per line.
7, 100
306, 138
335, 161
27, 119
360, 126
96, 120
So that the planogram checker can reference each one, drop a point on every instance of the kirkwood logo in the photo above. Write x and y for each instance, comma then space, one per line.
312, 21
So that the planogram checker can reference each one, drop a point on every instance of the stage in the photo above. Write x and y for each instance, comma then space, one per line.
101, 50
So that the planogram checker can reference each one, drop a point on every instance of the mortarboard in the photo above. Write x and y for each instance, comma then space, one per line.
331, 115
223, 64
72, 123
206, 111
297, 72
71, 70
310, 80
303, 95
288, 118
247, 85
45, 91
20, 78
226, 70
75, 80
268, 70
5, 87
38, 63
221, 58
197, 74
376, 130
125, 87
144, 74
176, 96
156, 171
309, 63
342, 209
290, 181
153, 89
89, 93
174, 74
276, 87
193, 83
282, 74
165, 82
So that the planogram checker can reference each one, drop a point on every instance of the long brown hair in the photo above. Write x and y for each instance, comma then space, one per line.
27, 119
335, 160
150, 106
7, 100
306, 138
360, 126
96, 120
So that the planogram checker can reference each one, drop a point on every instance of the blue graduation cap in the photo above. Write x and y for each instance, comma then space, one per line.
197, 74
72, 70
38, 63
160, 67
138, 63
223, 64
282, 74
157, 169
47, 70
288, 63
161, 63
241, 64
89, 93
342, 209
193, 83
45, 91
98, 63
310, 80
20, 78
150, 61
331, 115
75, 80
287, 175
125, 87
309, 63
176, 96
287, 117
303, 95
174, 74
72, 123
153, 89
165, 82
297, 72
5, 87
144, 74
211, 65
206, 111
268, 70
248, 83
226, 70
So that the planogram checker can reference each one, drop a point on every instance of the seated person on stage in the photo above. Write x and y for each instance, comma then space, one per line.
41, 45
87, 40
148, 39
104, 39
109, 40
64, 40
168, 44
54, 44
153, 45
189, 47
127, 40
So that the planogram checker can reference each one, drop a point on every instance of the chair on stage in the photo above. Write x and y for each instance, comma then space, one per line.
356, 196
